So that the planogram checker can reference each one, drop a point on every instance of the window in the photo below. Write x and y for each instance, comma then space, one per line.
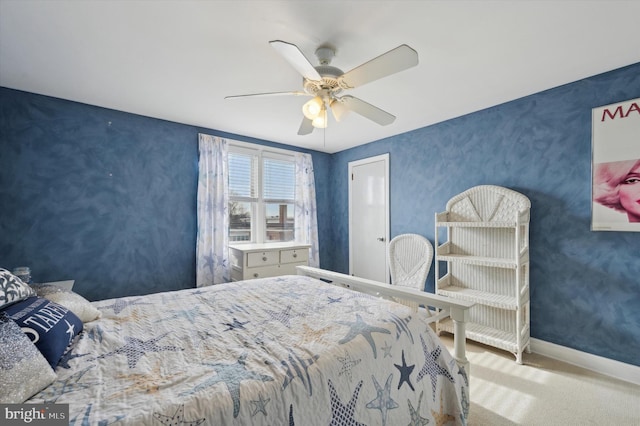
261, 194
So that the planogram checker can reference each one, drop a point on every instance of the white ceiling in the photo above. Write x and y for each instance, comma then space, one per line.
177, 60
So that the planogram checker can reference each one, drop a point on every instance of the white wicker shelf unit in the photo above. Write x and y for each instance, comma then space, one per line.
486, 259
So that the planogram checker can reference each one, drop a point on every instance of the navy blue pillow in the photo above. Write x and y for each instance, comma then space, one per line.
51, 327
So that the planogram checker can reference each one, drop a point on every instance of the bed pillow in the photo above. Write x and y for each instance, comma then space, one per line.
50, 326
23, 370
70, 300
12, 289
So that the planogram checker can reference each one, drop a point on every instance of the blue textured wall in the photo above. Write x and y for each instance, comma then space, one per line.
585, 286
103, 197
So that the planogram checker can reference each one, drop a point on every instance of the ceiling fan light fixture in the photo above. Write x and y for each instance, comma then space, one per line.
320, 121
312, 108
338, 109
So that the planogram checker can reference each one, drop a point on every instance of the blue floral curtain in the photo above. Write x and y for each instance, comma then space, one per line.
212, 253
306, 221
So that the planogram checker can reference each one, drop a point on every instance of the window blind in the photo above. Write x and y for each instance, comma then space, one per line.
242, 175
278, 179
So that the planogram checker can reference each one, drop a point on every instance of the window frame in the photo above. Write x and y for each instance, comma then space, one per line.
258, 203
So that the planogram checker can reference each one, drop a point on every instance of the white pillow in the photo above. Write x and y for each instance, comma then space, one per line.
70, 300
24, 371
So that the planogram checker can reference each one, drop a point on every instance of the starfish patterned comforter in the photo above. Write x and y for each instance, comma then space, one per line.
289, 350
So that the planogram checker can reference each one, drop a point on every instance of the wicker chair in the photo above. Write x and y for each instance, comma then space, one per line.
409, 260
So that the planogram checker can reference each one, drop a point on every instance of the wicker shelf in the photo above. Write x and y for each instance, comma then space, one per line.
478, 224
479, 260
487, 335
478, 296
446, 219
487, 231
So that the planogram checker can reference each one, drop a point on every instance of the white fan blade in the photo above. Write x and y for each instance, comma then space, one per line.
395, 60
306, 126
296, 93
367, 110
296, 58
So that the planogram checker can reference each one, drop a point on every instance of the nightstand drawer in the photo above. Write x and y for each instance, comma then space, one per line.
265, 272
291, 256
262, 258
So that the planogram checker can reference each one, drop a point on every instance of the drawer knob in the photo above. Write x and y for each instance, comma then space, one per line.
255, 275
295, 255
264, 258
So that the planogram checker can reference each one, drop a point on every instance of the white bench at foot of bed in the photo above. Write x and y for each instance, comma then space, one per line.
458, 310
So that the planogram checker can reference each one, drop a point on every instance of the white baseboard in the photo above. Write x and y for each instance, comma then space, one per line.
606, 366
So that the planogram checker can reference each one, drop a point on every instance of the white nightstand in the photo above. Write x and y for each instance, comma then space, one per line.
266, 260
68, 284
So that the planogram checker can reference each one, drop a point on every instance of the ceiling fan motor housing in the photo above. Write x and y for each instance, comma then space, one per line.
329, 81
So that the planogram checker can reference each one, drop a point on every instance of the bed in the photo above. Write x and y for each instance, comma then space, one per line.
318, 348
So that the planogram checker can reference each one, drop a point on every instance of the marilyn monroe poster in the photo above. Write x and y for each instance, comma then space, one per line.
616, 167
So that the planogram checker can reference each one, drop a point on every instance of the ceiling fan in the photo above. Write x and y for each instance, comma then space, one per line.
324, 83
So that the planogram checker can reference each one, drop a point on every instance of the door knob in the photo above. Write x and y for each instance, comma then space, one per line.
380, 238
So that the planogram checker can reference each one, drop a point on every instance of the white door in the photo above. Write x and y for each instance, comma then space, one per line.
369, 218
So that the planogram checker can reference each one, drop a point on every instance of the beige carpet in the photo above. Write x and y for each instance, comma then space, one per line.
544, 392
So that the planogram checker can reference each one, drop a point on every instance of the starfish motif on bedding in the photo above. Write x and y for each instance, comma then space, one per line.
133, 317
260, 405
441, 417
463, 373
431, 367
291, 420
188, 314
416, 418
309, 335
54, 391
341, 414
234, 308
235, 325
231, 375
383, 400
87, 417
144, 382
256, 343
464, 402
359, 327
401, 326
357, 307
283, 316
95, 333
68, 356
347, 364
135, 348
120, 304
405, 373
177, 419
298, 367
206, 335
334, 299
386, 349
291, 294
210, 300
